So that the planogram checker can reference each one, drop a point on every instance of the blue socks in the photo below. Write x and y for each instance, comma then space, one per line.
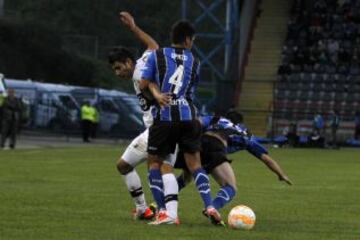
224, 196
156, 186
203, 185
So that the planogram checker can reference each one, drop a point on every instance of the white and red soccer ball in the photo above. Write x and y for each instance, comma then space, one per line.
241, 217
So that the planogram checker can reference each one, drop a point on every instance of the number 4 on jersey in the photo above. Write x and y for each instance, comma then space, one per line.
177, 79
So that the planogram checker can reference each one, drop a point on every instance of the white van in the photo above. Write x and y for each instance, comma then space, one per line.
49, 105
56, 107
118, 116
2, 85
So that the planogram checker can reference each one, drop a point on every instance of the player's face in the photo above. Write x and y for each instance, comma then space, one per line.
124, 70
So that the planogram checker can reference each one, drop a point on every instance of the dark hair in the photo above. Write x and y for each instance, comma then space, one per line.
120, 54
180, 30
234, 116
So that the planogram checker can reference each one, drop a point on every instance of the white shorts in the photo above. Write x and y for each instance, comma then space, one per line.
136, 152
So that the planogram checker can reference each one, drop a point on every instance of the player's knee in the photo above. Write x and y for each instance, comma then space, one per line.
192, 162
193, 166
233, 186
154, 163
123, 167
166, 168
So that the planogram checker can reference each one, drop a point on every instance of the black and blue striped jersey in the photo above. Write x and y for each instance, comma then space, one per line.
237, 136
175, 71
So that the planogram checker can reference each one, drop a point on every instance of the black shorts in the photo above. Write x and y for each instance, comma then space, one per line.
163, 137
213, 153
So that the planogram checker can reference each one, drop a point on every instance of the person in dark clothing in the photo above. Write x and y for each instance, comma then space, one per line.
357, 126
11, 115
334, 125
293, 138
316, 138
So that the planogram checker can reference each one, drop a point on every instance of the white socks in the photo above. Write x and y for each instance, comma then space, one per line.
133, 184
171, 190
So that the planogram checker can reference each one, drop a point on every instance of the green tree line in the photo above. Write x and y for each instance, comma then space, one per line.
32, 45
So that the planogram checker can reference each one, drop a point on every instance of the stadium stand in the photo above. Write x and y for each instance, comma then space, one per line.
320, 68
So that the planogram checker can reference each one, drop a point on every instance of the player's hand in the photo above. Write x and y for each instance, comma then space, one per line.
285, 179
163, 99
127, 20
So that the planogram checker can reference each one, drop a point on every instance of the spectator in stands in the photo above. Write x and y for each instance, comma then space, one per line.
322, 43
354, 68
316, 138
334, 125
342, 69
320, 6
332, 49
343, 56
293, 138
357, 126
11, 118
318, 124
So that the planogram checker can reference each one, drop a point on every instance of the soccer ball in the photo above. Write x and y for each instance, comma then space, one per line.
241, 217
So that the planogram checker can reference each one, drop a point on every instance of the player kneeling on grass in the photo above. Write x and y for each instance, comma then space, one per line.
221, 137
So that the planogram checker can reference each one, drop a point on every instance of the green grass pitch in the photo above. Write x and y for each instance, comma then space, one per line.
76, 193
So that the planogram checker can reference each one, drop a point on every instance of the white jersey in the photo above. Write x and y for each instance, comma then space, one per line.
144, 102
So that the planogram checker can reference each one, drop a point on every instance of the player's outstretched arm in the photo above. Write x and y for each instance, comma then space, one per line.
145, 38
275, 167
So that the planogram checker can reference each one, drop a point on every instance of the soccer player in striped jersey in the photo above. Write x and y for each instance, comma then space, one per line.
172, 74
125, 67
222, 137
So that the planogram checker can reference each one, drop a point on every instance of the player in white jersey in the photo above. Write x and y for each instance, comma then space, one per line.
125, 67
